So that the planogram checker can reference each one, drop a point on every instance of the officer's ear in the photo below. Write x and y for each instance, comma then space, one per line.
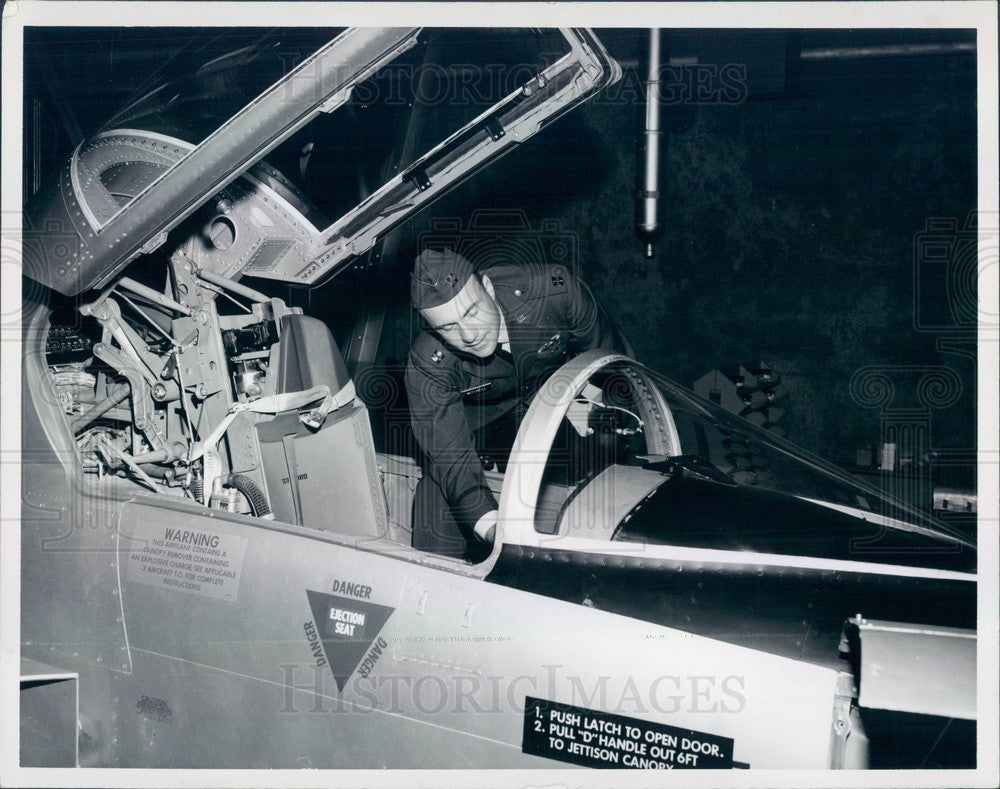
488, 286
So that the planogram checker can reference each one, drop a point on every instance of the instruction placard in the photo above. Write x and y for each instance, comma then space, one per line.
601, 739
189, 560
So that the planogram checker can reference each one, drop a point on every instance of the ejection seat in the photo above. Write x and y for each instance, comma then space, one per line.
321, 475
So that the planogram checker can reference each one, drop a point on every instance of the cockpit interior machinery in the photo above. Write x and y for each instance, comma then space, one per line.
216, 553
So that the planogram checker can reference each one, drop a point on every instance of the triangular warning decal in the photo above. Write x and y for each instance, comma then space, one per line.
347, 628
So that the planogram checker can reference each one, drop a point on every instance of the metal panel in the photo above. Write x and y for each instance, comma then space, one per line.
448, 688
914, 668
336, 485
68, 538
49, 701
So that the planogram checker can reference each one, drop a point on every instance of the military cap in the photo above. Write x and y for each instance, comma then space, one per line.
438, 277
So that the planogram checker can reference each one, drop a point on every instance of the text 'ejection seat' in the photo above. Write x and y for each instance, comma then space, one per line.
322, 477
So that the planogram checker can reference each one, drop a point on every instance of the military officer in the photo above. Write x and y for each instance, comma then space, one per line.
490, 341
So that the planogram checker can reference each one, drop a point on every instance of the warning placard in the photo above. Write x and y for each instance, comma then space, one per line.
190, 561
601, 739
349, 630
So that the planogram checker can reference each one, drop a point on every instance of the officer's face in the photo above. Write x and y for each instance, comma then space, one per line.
470, 322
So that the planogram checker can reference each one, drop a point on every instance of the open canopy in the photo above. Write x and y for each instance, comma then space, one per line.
171, 149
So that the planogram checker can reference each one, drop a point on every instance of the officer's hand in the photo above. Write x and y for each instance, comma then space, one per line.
483, 534
486, 527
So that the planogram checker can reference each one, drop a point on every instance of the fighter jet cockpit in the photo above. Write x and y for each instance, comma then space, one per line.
184, 363
179, 365
217, 502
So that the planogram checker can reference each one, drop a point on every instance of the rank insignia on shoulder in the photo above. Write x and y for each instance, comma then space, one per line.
437, 357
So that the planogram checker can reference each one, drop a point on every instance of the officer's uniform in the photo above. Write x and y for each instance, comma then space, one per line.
550, 317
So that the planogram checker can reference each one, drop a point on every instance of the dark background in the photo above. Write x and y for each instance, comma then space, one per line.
797, 187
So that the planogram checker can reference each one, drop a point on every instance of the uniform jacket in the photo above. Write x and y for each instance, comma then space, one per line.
550, 316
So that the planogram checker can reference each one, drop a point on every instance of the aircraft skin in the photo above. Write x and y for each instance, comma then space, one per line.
186, 679
698, 624
747, 652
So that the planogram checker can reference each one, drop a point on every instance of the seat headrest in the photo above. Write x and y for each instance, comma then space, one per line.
309, 356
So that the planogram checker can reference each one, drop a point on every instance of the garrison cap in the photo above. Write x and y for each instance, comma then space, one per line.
438, 277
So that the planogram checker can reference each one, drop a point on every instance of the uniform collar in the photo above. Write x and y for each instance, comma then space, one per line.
503, 339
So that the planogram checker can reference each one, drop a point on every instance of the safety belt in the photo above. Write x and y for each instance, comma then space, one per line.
279, 403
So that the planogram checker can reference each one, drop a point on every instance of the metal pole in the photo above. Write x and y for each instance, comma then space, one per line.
647, 225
